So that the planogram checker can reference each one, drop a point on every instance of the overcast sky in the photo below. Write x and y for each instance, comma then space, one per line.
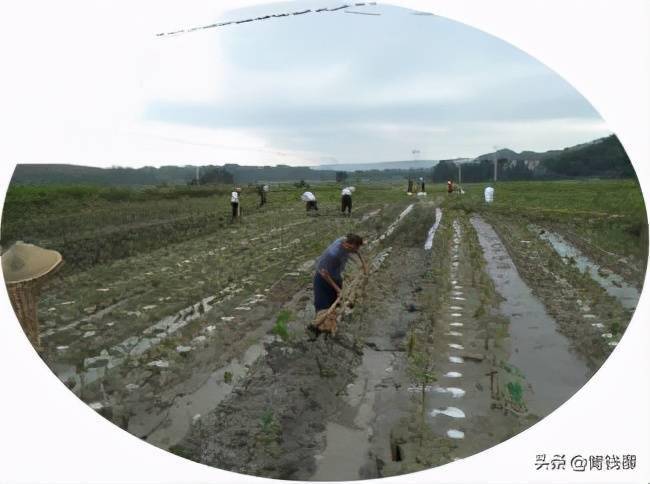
317, 88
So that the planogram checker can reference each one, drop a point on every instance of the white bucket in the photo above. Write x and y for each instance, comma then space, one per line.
489, 195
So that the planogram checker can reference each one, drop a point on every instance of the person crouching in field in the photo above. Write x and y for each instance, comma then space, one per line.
346, 200
328, 281
234, 203
310, 200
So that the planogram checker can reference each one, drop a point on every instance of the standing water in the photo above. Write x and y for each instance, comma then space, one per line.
614, 284
538, 349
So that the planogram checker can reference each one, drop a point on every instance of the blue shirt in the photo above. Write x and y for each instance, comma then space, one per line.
333, 260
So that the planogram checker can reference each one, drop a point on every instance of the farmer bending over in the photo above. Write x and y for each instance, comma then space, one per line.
328, 280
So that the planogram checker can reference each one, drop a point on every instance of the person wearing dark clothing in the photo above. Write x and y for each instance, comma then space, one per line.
346, 200
422, 182
261, 191
410, 188
234, 203
328, 278
310, 201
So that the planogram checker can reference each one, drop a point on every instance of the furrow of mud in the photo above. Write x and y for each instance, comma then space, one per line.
161, 377
279, 420
587, 315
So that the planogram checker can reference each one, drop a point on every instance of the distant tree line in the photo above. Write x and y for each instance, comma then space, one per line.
603, 158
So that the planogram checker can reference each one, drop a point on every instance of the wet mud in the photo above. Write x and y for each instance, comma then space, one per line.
457, 342
553, 371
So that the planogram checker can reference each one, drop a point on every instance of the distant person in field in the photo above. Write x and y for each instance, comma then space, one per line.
234, 203
262, 190
450, 186
410, 186
346, 200
310, 201
328, 279
422, 183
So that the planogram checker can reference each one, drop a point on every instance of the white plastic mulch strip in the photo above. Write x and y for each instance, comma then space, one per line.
453, 374
393, 226
432, 231
455, 434
455, 392
456, 359
452, 412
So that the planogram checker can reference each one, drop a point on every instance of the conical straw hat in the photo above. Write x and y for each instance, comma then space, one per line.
27, 262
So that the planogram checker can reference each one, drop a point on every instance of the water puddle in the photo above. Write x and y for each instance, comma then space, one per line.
432, 231
538, 350
96, 367
348, 450
614, 284
347, 447
189, 408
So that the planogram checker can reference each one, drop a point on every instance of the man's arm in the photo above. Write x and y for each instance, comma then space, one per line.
326, 275
363, 263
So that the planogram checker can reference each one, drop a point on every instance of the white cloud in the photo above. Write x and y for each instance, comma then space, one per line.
79, 87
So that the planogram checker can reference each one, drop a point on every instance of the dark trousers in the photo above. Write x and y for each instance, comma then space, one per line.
346, 202
235, 209
312, 206
324, 294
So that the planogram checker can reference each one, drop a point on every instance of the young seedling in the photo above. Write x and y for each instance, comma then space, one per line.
270, 432
420, 369
281, 329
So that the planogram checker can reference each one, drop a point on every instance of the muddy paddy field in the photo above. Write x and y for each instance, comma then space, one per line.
475, 322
